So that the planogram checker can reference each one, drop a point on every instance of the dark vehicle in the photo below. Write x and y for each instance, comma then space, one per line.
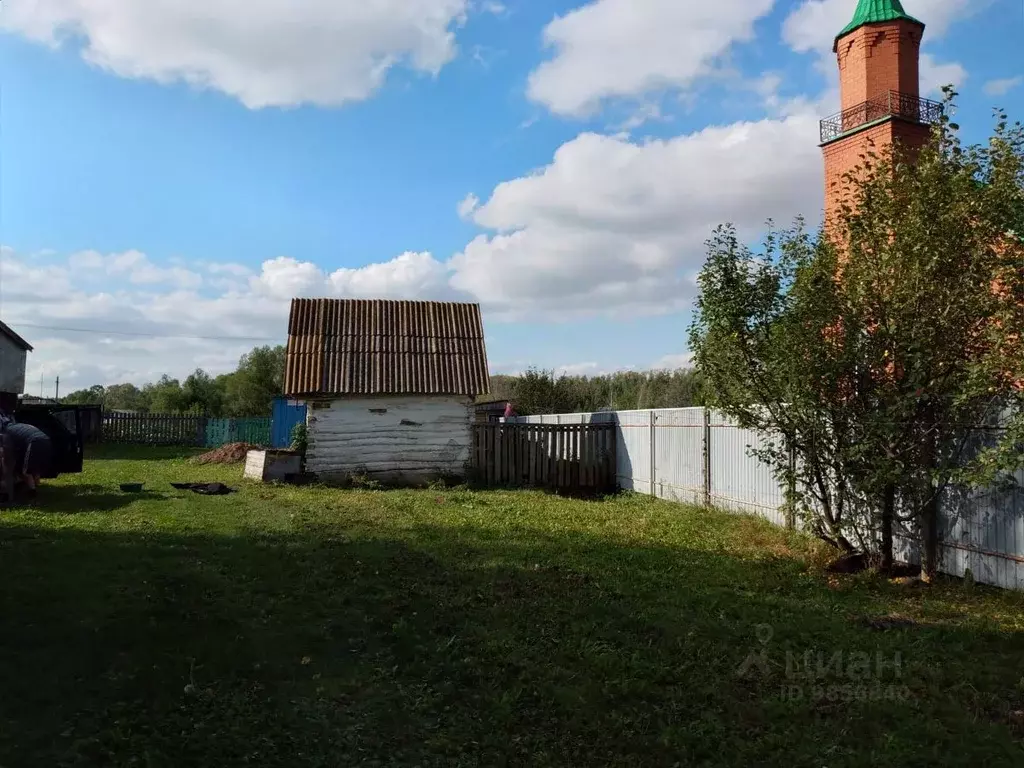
63, 425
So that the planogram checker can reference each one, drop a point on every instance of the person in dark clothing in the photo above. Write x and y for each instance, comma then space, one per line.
27, 453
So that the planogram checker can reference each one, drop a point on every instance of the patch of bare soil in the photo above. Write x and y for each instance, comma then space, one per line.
232, 453
884, 623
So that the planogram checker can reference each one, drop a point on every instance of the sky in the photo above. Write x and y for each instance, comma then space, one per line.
172, 173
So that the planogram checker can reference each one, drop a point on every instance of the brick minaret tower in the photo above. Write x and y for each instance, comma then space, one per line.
878, 54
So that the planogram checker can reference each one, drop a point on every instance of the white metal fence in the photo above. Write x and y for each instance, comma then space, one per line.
696, 456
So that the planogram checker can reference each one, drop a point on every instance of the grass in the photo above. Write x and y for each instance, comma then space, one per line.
315, 627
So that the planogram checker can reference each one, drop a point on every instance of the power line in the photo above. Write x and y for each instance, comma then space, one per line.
101, 332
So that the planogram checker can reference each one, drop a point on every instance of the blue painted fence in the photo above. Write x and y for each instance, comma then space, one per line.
223, 431
201, 431
286, 414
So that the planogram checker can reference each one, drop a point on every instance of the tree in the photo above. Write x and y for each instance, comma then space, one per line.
257, 381
540, 391
201, 393
165, 396
125, 397
94, 395
870, 354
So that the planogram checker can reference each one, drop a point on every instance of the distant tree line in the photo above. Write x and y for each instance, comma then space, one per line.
542, 391
259, 378
246, 391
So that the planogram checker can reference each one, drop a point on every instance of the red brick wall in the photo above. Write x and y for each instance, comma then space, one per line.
876, 59
873, 60
846, 154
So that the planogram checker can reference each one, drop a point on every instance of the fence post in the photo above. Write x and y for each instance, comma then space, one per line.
791, 490
652, 422
707, 457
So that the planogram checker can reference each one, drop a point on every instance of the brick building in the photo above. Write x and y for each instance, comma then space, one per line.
878, 54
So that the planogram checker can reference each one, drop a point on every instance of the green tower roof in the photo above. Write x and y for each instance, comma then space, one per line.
875, 12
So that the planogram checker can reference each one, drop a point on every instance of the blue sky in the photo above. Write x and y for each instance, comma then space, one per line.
183, 170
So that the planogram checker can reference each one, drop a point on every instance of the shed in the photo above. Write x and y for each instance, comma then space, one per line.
389, 385
491, 412
13, 354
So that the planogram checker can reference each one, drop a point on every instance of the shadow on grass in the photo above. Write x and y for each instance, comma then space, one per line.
461, 647
121, 452
76, 499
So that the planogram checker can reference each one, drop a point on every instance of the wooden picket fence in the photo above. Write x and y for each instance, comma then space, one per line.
154, 429
562, 457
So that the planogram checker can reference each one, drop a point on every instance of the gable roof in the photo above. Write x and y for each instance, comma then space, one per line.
877, 12
5, 329
359, 347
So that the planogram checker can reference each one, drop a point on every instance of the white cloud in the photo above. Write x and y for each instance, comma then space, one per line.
262, 52
578, 369
814, 25
613, 226
628, 48
119, 295
133, 265
643, 114
467, 205
935, 75
286, 278
493, 6
409, 276
235, 270
1003, 86
673, 362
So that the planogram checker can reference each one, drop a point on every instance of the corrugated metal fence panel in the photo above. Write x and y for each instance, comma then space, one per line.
633, 451
679, 454
285, 416
740, 481
984, 532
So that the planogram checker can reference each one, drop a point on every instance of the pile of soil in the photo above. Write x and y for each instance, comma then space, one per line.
232, 453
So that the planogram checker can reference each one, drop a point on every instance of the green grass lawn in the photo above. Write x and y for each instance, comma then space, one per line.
316, 627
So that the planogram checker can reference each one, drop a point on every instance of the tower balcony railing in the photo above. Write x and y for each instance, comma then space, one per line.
892, 104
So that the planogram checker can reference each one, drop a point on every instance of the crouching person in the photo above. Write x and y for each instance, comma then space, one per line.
27, 455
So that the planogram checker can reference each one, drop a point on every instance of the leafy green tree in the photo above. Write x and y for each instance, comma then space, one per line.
95, 395
871, 354
541, 392
165, 396
201, 393
258, 379
125, 397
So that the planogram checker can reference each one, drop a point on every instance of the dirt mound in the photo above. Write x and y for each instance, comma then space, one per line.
232, 453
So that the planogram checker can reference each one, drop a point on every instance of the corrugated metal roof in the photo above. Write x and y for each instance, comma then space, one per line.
372, 347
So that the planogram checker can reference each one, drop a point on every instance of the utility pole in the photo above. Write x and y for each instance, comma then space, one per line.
56, 390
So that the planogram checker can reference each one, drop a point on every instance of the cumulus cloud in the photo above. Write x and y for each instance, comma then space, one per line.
935, 75
467, 205
122, 297
409, 276
628, 48
262, 52
814, 25
1003, 86
673, 362
133, 265
614, 226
